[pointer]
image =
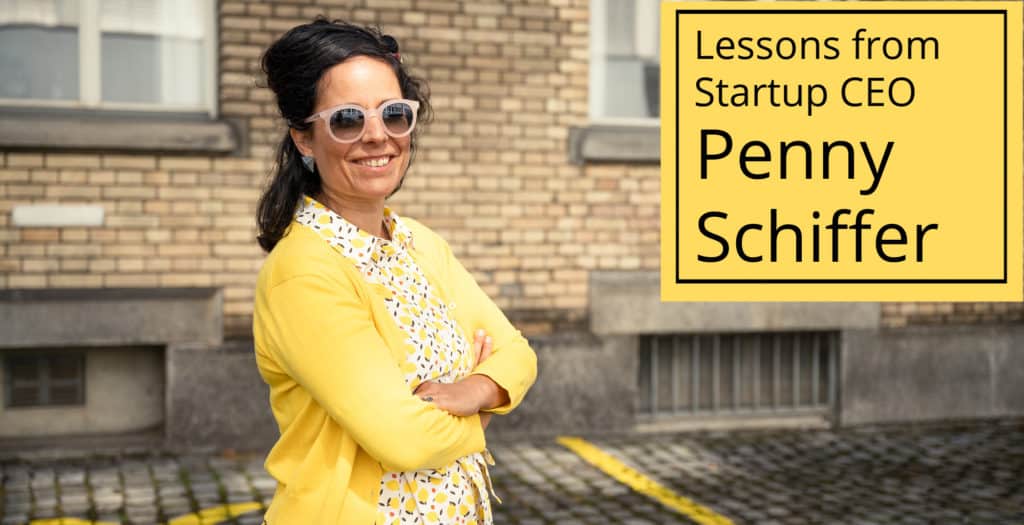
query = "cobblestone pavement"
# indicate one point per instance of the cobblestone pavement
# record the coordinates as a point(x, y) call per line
point(957, 473)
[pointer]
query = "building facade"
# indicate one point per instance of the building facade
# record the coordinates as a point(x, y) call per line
point(135, 139)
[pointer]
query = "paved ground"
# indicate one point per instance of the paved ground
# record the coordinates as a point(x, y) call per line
point(964, 473)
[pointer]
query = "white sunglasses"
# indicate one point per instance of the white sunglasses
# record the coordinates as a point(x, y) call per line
point(347, 123)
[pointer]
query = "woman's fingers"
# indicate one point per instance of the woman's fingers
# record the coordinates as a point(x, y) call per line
point(427, 388)
point(453, 404)
point(478, 345)
point(482, 346)
point(486, 350)
point(435, 393)
point(456, 398)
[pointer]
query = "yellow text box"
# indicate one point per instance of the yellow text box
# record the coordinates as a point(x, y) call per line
point(823, 151)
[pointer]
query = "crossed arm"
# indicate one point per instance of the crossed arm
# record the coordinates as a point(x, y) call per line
point(506, 366)
point(309, 315)
point(319, 332)
point(473, 394)
point(306, 318)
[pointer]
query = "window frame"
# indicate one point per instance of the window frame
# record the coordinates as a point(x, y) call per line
point(89, 77)
point(635, 140)
point(598, 65)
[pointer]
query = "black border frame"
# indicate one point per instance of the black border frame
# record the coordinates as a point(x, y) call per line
point(841, 11)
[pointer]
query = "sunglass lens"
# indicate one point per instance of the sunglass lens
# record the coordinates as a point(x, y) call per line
point(398, 118)
point(347, 123)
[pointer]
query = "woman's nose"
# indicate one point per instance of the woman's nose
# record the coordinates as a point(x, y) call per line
point(374, 130)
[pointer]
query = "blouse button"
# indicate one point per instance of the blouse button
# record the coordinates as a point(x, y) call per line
point(451, 306)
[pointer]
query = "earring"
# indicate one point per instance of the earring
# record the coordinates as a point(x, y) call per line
point(309, 162)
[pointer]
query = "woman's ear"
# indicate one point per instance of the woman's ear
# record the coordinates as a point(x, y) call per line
point(302, 140)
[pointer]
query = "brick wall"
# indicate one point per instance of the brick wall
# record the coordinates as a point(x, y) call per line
point(904, 314)
point(508, 80)
point(169, 221)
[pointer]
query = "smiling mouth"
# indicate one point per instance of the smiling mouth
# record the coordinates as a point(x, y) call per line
point(375, 162)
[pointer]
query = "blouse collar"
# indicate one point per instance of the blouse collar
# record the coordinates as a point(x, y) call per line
point(353, 242)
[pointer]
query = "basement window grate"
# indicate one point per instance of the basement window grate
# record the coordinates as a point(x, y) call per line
point(44, 380)
point(739, 373)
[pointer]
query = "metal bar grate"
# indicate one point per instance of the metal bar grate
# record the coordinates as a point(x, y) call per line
point(741, 373)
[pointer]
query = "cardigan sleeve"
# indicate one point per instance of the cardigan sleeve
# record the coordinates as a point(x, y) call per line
point(512, 364)
point(323, 337)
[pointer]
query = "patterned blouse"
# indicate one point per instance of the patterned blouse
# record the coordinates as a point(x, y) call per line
point(437, 351)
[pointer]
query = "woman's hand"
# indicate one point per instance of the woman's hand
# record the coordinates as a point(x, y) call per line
point(470, 395)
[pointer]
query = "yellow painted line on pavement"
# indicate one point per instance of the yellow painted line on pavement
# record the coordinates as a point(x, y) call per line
point(69, 521)
point(639, 482)
point(210, 516)
point(214, 515)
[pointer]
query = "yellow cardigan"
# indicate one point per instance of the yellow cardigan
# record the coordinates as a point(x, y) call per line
point(330, 352)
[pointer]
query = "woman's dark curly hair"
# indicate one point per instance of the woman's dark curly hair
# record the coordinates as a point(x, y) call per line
point(294, 65)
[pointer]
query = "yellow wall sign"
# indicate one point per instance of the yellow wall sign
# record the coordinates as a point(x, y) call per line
point(842, 151)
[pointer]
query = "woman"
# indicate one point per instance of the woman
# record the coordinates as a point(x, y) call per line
point(361, 316)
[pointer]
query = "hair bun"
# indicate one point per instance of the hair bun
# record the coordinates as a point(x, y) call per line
point(389, 43)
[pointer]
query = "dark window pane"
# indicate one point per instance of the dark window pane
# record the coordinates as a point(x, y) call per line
point(66, 367)
point(644, 376)
point(666, 358)
point(65, 395)
point(48, 379)
point(24, 396)
point(24, 370)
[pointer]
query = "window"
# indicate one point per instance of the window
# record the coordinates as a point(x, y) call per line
point(45, 380)
point(624, 85)
point(624, 65)
point(149, 55)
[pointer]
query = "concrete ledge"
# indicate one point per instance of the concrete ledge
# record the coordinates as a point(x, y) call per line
point(110, 316)
point(605, 143)
point(116, 132)
point(930, 373)
point(80, 447)
point(731, 422)
point(630, 303)
point(217, 399)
